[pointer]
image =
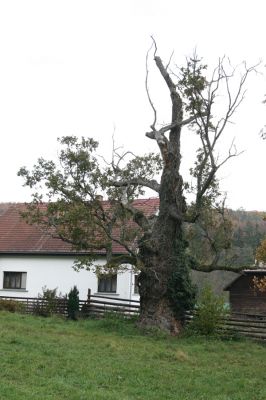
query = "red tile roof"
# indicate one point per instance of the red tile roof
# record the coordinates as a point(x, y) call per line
point(18, 237)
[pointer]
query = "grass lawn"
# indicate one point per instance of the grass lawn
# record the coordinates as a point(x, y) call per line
point(110, 360)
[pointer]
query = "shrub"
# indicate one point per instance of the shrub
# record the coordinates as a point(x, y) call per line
point(73, 303)
point(11, 306)
point(48, 302)
point(208, 314)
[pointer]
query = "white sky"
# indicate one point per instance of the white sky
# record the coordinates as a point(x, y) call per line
point(78, 67)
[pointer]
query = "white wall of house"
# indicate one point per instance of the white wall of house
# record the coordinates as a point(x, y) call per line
point(57, 272)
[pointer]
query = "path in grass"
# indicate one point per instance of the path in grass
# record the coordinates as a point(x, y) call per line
point(109, 360)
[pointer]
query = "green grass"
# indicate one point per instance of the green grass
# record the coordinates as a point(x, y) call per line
point(110, 360)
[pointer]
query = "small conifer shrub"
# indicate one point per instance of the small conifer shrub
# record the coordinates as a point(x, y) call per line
point(73, 303)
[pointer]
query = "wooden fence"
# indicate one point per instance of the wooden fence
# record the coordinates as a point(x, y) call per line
point(37, 305)
point(97, 305)
point(247, 325)
point(94, 306)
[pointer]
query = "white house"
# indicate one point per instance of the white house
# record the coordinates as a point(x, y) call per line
point(31, 259)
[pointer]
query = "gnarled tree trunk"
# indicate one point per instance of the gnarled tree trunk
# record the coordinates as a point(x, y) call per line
point(165, 287)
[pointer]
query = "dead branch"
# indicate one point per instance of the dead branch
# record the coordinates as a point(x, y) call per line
point(147, 88)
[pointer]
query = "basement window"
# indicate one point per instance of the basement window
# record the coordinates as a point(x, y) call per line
point(107, 283)
point(14, 280)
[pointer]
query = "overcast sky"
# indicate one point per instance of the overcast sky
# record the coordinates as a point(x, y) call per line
point(78, 68)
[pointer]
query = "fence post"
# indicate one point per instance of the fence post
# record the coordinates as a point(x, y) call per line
point(88, 301)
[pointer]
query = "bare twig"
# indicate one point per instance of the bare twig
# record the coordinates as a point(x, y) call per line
point(147, 89)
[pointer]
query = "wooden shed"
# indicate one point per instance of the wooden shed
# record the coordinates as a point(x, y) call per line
point(244, 297)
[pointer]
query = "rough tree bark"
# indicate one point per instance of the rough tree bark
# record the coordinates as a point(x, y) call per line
point(161, 253)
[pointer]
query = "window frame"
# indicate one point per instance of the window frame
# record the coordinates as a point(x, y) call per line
point(136, 284)
point(107, 283)
point(19, 278)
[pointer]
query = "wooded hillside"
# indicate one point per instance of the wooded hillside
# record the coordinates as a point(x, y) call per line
point(228, 239)
point(249, 229)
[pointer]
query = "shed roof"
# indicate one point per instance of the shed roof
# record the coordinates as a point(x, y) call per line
point(18, 237)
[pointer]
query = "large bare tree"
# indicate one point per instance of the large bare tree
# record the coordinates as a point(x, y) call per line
point(154, 243)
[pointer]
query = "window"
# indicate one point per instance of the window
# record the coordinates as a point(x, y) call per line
point(136, 284)
point(107, 283)
point(14, 280)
